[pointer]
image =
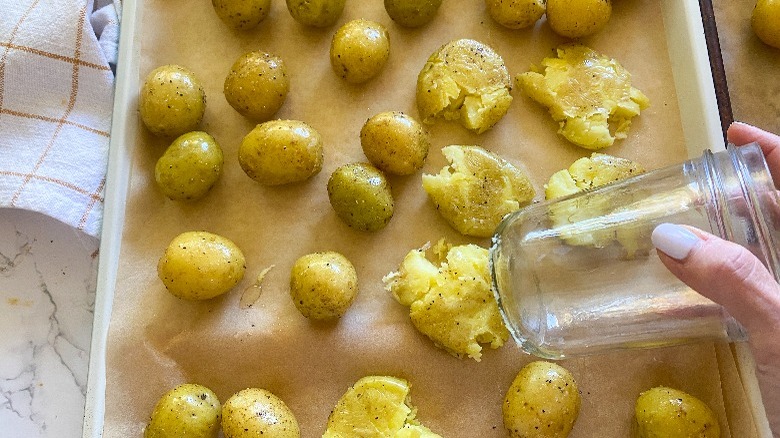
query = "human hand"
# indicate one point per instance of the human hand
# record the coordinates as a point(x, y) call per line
point(730, 275)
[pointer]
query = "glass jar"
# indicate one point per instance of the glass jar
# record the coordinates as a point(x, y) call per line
point(579, 275)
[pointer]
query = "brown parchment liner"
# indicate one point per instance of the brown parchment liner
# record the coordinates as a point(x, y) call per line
point(157, 341)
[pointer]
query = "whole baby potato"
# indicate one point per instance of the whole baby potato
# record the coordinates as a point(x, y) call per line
point(766, 22)
point(323, 285)
point(190, 166)
point(281, 152)
point(412, 13)
point(543, 401)
point(361, 197)
point(664, 412)
point(198, 265)
point(515, 14)
point(359, 50)
point(317, 13)
point(242, 14)
point(394, 142)
point(254, 412)
point(172, 101)
point(257, 85)
point(578, 18)
point(189, 410)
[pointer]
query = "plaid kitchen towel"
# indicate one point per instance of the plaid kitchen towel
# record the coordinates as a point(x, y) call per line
point(56, 93)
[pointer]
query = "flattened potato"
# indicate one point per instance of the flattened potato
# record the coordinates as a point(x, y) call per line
point(198, 265)
point(766, 22)
point(395, 143)
point(412, 13)
point(242, 14)
point(467, 81)
point(359, 50)
point(257, 85)
point(172, 101)
point(670, 413)
point(323, 285)
point(543, 401)
point(361, 196)
point(281, 152)
point(515, 14)
point(317, 13)
point(255, 412)
point(190, 166)
point(189, 410)
point(578, 18)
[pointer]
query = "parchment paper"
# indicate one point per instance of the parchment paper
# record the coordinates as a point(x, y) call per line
point(157, 341)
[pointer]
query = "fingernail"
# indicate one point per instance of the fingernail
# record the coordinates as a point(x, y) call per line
point(674, 240)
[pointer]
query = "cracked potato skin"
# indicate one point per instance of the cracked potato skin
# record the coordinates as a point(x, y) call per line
point(323, 285)
point(257, 85)
point(242, 14)
point(172, 101)
point(516, 14)
point(359, 50)
point(190, 166)
point(255, 412)
point(281, 152)
point(578, 18)
point(395, 143)
point(189, 410)
point(543, 401)
point(361, 197)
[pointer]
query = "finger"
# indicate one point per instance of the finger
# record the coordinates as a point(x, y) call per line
point(741, 133)
point(724, 272)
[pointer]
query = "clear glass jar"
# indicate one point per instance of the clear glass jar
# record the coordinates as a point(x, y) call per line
point(579, 275)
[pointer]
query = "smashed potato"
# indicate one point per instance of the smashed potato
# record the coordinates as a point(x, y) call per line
point(515, 14)
point(578, 18)
point(588, 94)
point(323, 285)
point(587, 173)
point(543, 401)
point(450, 303)
point(477, 189)
point(254, 412)
point(376, 407)
point(467, 81)
point(189, 410)
point(670, 413)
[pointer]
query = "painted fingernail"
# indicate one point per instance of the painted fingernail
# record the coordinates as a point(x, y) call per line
point(674, 240)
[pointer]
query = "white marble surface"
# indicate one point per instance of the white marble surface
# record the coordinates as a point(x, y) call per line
point(47, 295)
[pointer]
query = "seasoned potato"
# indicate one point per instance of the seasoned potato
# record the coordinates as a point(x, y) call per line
point(172, 101)
point(578, 18)
point(361, 197)
point(670, 413)
point(359, 50)
point(188, 410)
point(281, 152)
point(257, 85)
point(254, 412)
point(450, 303)
point(588, 94)
point(395, 143)
point(477, 189)
point(323, 285)
point(515, 14)
point(467, 81)
point(198, 265)
point(587, 173)
point(412, 13)
point(242, 14)
point(376, 407)
point(766, 22)
point(543, 401)
point(317, 13)
point(190, 166)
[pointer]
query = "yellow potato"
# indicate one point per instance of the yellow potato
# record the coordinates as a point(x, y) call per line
point(172, 101)
point(257, 85)
point(587, 173)
point(198, 265)
point(359, 50)
point(515, 14)
point(543, 401)
point(242, 14)
point(190, 166)
point(281, 152)
point(323, 285)
point(578, 18)
point(376, 407)
point(477, 189)
point(670, 413)
point(361, 196)
point(189, 410)
point(317, 13)
point(412, 13)
point(395, 143)
point(766, 22)
point(467, 81)
point(255, 412)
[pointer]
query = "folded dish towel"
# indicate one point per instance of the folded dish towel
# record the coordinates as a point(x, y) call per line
point(56, 93)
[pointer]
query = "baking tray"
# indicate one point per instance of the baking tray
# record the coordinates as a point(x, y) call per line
point(701, 128)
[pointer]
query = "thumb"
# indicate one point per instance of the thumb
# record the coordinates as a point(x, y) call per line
point(726, 273)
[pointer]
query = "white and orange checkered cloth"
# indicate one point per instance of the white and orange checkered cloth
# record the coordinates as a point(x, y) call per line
point(56, 93)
